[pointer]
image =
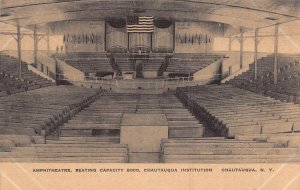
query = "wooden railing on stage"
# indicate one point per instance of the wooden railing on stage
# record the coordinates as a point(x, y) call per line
point(147, 84)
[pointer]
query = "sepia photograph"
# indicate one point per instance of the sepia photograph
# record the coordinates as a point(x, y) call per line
point(172, 94)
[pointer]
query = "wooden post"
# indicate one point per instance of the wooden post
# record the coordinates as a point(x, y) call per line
point(229, 44)
point(35, 45)
point(48, 42)
point(19, 50)
point(241, 49)
point(174, 37)
point(276, 53)
point(151, 37)
point(255, 53)
point(128, 42)
point(105, 42)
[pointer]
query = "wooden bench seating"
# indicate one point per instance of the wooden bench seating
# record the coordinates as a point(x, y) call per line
point(79, 151)
point(189, 66)
point(40, 112)
point(98, 117)
point(232, 111)
point(94, 64)
point(18, 130)
point(6, 145)
point(202, 150)
point(229, 159)
point(198, 150)
point(106, 148)
point(97, 120)
point(288, 139)
point(88, 126)
point(81, 157)
point(287, 88)
point(153, 64)
point(85, 139)
point(9, 76)
point(69, 149)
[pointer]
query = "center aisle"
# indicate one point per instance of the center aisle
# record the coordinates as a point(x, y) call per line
point(101, 121)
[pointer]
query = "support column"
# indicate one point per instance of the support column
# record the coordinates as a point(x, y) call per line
point(19, 50)
point(48, 42)
point(276, 54)
point(174, 37)
point(255, 53)
point(151, 37)
point(241, 49)
point(229, 44)
point(35, 45)
point(105, 40)
point(128, 41)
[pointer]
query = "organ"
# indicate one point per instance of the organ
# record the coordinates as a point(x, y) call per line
point(111, 35)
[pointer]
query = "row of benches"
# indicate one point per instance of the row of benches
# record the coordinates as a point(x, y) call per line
point(125, 63)
point(255, 129)
point(49, 108)
point(243, 149)
point(180, 63)
point(91, 65)
point(9, 65)
point(103, 117)
point(11, 85)
point(287, 88)
point(68, 149)
point(232, 111)
point(41, 111)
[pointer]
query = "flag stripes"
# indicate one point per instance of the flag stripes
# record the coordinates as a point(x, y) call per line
point(140, 24)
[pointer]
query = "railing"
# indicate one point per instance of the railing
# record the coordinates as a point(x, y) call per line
point(141, 84)
point(198, 78)
point(40, 73)
point(137, 84)
point(75, 78)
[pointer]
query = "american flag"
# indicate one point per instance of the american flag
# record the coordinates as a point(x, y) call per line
point(140, 24)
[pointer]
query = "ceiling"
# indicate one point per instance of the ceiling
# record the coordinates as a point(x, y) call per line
point(246, 14)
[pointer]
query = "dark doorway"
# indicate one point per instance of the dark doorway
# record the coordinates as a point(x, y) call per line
point(139, 67)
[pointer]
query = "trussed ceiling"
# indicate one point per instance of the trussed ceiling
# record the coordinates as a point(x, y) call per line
point(237, 13)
